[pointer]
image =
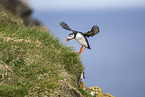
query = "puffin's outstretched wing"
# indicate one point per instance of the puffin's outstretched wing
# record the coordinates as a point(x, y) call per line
point(65, 26)
point(95, 30)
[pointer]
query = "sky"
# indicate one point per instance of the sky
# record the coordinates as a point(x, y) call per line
point(86, 4)
point(115, 62)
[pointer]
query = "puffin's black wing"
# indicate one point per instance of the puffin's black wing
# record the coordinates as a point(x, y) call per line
point(65, 26)
point(95, 30)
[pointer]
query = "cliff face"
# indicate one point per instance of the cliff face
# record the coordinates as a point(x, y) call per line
point(20, 8)
point(34, 63)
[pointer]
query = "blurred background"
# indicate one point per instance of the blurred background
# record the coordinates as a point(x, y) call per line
point(116, 61)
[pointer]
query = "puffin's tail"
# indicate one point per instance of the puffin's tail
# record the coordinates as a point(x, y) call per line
point(65, 26)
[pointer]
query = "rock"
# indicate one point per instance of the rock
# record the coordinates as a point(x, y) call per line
point(22, 9)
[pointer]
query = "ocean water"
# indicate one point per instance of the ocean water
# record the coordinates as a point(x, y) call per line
point(116, 61)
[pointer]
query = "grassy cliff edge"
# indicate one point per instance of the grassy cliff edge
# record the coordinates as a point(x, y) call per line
point(34, 63)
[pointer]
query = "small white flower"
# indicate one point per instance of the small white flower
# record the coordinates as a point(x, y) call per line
point(92, 93)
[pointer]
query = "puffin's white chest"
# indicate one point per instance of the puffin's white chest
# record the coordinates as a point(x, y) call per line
point(81, 39)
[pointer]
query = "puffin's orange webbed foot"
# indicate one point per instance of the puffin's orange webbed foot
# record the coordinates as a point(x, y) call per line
point(81, 50)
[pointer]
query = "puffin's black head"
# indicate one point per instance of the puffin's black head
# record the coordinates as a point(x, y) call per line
point(70, 37)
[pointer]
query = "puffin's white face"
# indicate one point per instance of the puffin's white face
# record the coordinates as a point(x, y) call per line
point(70, 37)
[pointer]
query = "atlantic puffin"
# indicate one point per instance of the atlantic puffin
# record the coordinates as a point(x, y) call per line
point(79, 36)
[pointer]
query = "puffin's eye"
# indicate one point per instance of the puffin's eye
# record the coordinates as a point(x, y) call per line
point(71, 36)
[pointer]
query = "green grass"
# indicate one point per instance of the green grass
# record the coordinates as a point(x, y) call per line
point(34, 63)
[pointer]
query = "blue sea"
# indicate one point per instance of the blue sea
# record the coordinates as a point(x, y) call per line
point(116, 61)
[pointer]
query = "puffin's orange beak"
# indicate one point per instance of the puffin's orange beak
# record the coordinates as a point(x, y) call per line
point(67, 40)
